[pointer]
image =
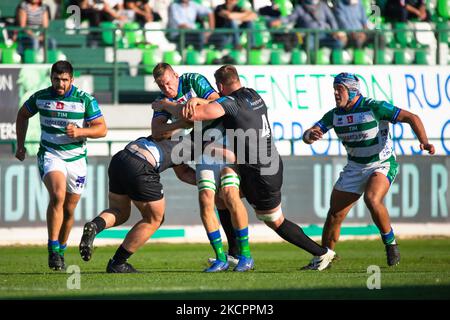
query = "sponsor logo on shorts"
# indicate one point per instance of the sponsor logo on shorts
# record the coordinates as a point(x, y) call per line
point(80, 181)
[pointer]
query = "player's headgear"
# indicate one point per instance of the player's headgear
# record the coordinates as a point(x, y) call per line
point(350, 81)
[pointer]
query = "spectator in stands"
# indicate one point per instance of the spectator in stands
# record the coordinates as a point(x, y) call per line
point(315, 14)
point(271, 13)
point(351, 15)
point(32, 13)
point(142, 11)
point(231, 16)
point(183, 14)
point(404, 10)
point(98, 11)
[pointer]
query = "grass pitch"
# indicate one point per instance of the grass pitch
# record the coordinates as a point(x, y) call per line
point(174, 272)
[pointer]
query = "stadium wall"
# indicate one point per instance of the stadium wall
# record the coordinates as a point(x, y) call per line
point(419, 200)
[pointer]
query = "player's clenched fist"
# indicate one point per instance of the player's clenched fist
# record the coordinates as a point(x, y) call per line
point(72, 130)
point(20, 153)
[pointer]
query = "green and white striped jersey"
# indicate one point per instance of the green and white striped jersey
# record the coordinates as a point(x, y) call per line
point(363, 130)
point(56, 113)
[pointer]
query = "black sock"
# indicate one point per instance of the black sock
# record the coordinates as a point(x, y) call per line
point(292, 233)
point(225, 220)
point(100, 223)
point(121, 255)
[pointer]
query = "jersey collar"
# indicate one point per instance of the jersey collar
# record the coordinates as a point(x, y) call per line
point(68, 93)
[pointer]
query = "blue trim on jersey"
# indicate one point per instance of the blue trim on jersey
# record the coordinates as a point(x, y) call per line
point(28, 108)
point(94, 117)
point(221, 99)
point(394, 118)
point(209, 93)
point(162, 113)
point(179, 86)
point(358, 102)
point(322, 127)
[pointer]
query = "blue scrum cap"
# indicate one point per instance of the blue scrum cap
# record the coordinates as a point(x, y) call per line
point(350, 81)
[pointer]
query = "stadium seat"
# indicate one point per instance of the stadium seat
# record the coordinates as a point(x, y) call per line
point(255, 57)
point(361, 57)
point(285, 7)
point(403, 56)
point(150, 58)
point(262, 36)
point(443, 35)
point(340, 56)
point(211, 55)
point(194, 57)
point(421, 56)
point(278, 56)
point(322, 56)
point(108, 33)
point(30, 56)
point(403, 35)
point(133, 34)
point(239, 56)
point(54, 55)
point(443, 8)
point(172, 57)
point(10, 55)
point(298, 56)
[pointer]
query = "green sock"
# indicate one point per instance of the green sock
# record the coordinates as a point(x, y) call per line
point(242, 238)
point(62, 249)
point(216, 242)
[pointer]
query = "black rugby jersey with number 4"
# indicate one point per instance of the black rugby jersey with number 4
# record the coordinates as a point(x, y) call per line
point(246, 116)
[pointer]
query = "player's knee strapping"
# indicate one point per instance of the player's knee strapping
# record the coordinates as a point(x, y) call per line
point(230, 180)
point(274, 216)
point(206, 181)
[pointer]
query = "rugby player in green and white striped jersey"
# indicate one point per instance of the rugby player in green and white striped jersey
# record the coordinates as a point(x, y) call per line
point(362, 124)
point(176, 91)
point(68, 116)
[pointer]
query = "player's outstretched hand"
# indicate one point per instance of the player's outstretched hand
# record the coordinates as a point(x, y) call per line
point(427, 146)
point(315, 134)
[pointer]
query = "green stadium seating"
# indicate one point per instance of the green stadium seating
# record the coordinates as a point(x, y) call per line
point(150, 58)
point(172, 57)
point(133, 34)
point(322, 56)
point(194, 57)
point(285, 7)
point(10, 55)
point(421, 56)
point(298, 56)
point(108, 34)
point(239, 56)
point(255, 57)
point(403, 35)
point(361, 57)
point(30, 56)
point(443, 8)
point(261, 35)
point(443, 35)
point(340, 56)
point(211, 55)
point(278, 57)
